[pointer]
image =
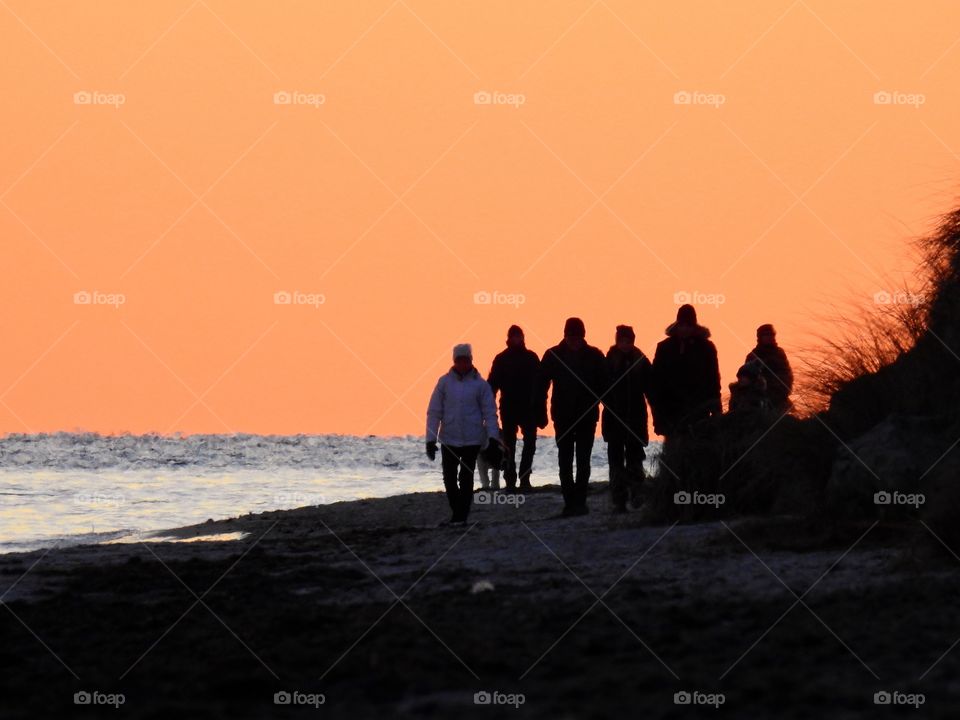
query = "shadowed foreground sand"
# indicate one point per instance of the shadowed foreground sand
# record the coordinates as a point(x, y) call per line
point(385, 614)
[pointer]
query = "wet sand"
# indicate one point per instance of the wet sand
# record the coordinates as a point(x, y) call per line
point(378, 611)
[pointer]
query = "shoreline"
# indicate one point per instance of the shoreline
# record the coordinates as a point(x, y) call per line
point(375, 607)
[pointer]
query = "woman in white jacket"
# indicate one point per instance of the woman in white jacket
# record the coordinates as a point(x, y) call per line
point(462, 418)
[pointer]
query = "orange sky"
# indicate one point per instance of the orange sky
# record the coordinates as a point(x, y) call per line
point(185, 190)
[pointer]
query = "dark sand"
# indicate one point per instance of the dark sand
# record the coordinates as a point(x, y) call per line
point(305, 603)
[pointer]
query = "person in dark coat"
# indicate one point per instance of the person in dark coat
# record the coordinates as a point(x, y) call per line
point(514, 374)
point(624, 420)
point(577, 372)
point(686, 376)
point(776, 368)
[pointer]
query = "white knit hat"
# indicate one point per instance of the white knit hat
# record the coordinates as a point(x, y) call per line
point(462, 350)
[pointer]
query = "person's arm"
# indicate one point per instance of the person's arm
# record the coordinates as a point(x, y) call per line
point(435, 411)
point(488, 410)
point(716, 406)
point(787, 374)
point(545, 376)
point(495, 377)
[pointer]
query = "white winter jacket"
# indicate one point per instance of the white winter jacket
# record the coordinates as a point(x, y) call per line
point(462, 410)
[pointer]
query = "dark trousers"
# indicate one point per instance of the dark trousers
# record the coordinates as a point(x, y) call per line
point(576, 440)
point(625, 456)
point(458, 466)
point(526, 456)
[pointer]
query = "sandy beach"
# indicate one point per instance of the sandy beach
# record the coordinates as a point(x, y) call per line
point(370, 609)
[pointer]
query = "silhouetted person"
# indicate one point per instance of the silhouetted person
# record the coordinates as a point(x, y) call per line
point(775, 367)
point(624, 420)
point(577, 372)
point(514, 375)
point(749, 392)
point(462, 417)
point(686, 376)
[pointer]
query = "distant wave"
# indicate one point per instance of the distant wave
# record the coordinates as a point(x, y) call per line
point(92, 451)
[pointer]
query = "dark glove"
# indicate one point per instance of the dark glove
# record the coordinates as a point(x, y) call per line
point(542, 419)
point(432, 450)
point(493, 452)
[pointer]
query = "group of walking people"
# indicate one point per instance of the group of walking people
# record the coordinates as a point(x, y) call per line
point(681, 386)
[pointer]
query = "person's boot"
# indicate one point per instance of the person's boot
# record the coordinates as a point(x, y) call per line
point(525, 483)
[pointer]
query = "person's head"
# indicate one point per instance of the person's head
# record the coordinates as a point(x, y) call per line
point(625, 338)
point(686, 324)
point(574, 333)
point(766, 335)
point(462, 358)
point(515, 337)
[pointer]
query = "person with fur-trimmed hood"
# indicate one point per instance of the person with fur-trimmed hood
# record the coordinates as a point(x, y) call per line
point(775, 368)
point(624, 420)
point(462, 418)
point(686, 376)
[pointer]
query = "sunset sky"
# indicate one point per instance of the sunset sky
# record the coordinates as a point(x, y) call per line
point(170, 170)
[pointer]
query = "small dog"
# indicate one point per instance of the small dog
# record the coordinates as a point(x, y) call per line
point(490, 464)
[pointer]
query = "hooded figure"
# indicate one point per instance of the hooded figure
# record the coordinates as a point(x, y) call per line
point(578, 374)
point(514, 374)
point(686, 375)
point(775, 368)
point(624, 419)
point(749, 392)
point(462, 418)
